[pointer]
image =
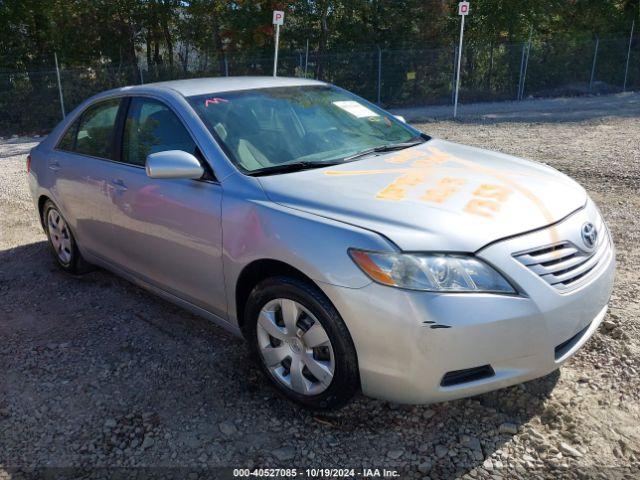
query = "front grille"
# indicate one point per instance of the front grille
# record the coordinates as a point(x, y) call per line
point(565, 266)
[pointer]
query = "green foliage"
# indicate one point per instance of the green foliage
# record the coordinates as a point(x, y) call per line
point(116, 31)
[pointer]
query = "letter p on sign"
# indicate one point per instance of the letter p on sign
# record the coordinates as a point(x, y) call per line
point(278, 17)
point(463, 9)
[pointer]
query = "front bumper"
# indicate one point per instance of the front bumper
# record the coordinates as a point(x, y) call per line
point(408, 341)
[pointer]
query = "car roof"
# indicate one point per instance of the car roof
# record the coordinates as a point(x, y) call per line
point(202, 86)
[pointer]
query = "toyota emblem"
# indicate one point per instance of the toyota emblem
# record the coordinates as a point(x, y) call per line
point(589, 235)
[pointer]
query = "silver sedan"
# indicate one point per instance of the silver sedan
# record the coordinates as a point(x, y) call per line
point(352, 251)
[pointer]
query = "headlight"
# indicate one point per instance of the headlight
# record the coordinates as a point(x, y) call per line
point(431, 272)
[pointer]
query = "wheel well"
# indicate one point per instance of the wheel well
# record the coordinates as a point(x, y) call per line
point(258, 271)
point(41, 202)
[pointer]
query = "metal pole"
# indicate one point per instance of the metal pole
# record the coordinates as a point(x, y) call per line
point(226, 66)
point(275, 56)
point(593, 66)
point(453, 74)
point(306, 59)
point(526, 65)
point(55, 57)
point(455, 103)
point(626, 70)
point(524, 47)
point(299, 63)
point(379, 73)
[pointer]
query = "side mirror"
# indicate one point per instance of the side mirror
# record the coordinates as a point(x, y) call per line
point(401, 118)
point(173, 164)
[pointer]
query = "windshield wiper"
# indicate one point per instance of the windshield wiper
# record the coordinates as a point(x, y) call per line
point(291, 167)
point(385, 148)
point(307, 165)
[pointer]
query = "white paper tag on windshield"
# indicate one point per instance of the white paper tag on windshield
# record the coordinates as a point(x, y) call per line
point(356, 109)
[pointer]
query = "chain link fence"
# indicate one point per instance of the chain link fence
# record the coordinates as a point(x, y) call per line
point(34, 101)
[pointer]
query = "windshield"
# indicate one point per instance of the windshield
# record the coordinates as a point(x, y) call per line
point(272, 128)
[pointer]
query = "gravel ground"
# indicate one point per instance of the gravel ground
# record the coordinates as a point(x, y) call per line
point(97, 372)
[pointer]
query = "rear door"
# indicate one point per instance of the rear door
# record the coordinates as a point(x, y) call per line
point(81, 170)
point(168, 231)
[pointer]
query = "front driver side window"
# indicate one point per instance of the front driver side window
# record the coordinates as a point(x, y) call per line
point(152, 127)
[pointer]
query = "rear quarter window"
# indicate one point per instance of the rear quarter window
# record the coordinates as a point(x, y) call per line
point(68, 140)
point(93, 132)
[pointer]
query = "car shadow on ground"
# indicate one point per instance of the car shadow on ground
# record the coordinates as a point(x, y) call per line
point(100, 372)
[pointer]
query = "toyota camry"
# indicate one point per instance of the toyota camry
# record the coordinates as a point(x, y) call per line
point(352, 251)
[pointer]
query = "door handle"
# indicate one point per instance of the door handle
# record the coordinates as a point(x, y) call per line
point(54, 165)
point(119, 185)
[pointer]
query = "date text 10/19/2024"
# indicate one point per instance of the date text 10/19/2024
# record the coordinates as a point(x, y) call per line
point(316, 472)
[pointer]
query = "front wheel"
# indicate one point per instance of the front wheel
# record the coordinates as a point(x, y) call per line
point(301, 343)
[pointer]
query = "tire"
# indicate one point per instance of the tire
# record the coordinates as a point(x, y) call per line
point(270, 300)
point(61, 241)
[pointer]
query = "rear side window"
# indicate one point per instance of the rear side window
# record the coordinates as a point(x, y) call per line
point(94, 133)
point(152, 127)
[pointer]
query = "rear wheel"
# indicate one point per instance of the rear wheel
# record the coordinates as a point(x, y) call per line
point(301, 343)
point(61, 240)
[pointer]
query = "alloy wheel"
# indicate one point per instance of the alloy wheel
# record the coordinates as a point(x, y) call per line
point(295, 347)
point(59, 236)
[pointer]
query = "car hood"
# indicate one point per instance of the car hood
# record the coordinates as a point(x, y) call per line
point(436, 196)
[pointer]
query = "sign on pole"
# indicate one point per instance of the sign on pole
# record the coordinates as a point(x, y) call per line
point(463, 11)
point(278, 19)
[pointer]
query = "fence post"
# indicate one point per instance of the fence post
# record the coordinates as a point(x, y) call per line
point(55, 57)
point(524, 47)
point(593, 66)
point(140, 72)
point(379, 73)
point(626, 70)
point(526, 66)
point(306, 59)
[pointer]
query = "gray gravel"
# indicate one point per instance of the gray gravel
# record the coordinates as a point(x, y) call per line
point(96, 372)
